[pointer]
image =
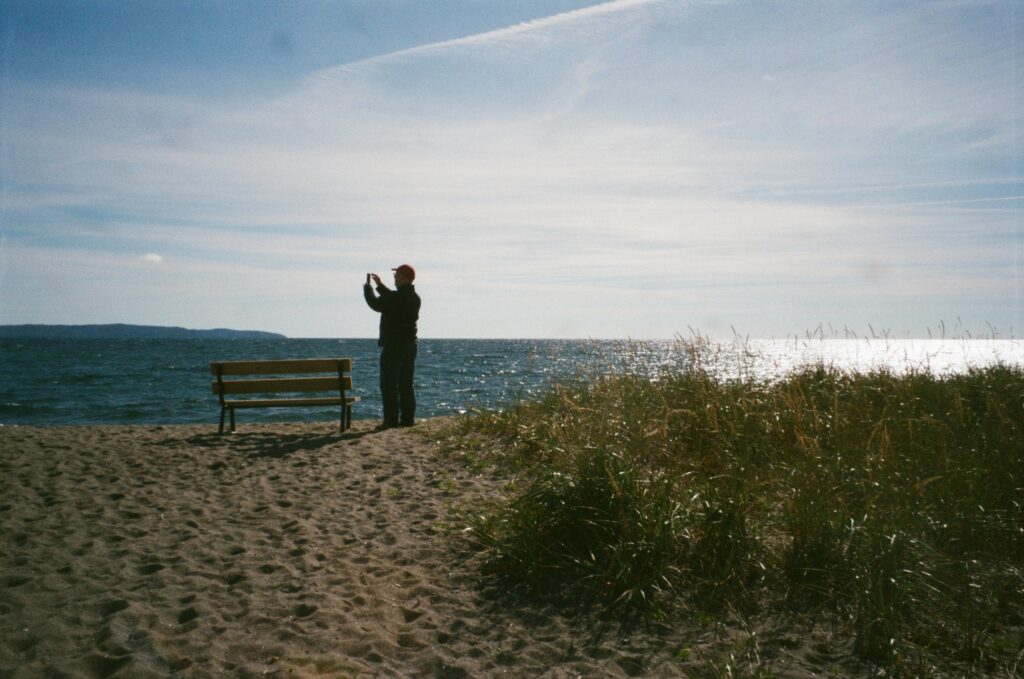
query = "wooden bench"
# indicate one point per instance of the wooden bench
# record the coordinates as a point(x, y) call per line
point(332, 377)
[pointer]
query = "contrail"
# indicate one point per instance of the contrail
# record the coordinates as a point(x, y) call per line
point(525, 29)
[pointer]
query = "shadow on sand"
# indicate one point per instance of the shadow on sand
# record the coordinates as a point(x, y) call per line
point(273, 444)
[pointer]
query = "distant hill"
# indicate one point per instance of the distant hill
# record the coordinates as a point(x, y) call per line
point(123, 331)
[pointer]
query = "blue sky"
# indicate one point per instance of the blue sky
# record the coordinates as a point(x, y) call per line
point(632, 168)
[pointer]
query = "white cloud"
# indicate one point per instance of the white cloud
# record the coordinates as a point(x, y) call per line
point(152, 258)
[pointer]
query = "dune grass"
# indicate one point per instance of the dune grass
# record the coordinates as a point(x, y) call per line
point(893, 502)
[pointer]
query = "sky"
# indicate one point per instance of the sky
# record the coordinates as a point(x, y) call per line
point(552, 168)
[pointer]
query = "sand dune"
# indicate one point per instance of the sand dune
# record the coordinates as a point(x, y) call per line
point(281, 550)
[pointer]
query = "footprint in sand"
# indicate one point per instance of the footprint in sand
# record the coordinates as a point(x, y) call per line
point(187, 615)
point(179, 664)
point(150, 568)
point(12, 581)
point(633, 666)
point(23, 643)
point(108, 608)
point(407, 640)
point(411, 616)
point(304, 610)
point(232, 579)
point(100, 665)
point(440, 668)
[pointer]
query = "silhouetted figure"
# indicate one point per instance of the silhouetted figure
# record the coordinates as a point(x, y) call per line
point(399, 311)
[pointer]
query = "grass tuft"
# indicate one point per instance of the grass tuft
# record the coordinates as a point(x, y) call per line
point(894, 502)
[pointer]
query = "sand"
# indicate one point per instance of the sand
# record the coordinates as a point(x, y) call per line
point(291, 550)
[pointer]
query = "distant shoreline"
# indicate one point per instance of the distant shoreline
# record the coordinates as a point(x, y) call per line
point(126, 331)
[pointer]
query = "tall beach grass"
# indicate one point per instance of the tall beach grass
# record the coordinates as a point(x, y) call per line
point(891, 502)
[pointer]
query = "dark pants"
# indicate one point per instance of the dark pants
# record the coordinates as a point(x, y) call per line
point(397, 367)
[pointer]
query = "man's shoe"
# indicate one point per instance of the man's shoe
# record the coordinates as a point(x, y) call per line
point(384, 426)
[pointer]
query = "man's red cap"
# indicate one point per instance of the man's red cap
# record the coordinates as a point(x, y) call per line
point(407, 270)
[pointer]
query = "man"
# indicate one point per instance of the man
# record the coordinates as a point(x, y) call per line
point(399, 310)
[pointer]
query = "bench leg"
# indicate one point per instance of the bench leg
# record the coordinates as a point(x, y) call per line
point(220, 430)
point(232, 420)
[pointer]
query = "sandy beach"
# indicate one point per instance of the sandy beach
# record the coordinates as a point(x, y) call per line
point(291, 550)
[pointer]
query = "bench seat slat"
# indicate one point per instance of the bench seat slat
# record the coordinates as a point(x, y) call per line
point(288, 402)
point(282, 384)
point(281, 367)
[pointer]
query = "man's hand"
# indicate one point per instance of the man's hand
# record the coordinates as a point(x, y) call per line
point(376, 278)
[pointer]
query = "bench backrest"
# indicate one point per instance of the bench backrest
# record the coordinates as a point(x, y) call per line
point(337, 381)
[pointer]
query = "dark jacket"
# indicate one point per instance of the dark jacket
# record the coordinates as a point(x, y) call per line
point(399, 310)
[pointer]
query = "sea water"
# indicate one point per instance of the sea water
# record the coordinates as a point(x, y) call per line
point(97, 381)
